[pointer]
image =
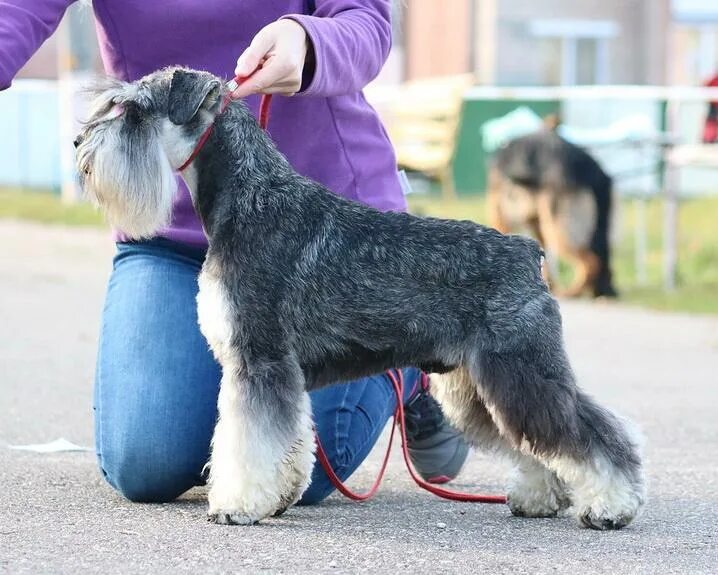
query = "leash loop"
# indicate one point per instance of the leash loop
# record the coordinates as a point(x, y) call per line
point(397, 381)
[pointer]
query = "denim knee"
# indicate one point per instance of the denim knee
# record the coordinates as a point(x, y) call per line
point(145, 475)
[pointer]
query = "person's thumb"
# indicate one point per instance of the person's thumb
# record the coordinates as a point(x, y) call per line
point(250, 59)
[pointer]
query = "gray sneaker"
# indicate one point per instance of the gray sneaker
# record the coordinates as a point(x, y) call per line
point(437, 450)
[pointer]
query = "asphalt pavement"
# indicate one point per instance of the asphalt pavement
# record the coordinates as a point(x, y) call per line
point(58, 516)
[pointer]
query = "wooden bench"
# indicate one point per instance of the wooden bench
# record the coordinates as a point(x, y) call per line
point(422, 120)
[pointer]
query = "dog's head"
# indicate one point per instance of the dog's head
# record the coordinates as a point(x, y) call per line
point(137, 136)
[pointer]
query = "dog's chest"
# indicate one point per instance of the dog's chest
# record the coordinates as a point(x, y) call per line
point(214, 316)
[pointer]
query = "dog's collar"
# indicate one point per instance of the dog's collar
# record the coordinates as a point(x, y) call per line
point(227, 99)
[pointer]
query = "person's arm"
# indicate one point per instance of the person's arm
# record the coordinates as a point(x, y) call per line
point(24, 26)
point(346, 43)
point(351, 41)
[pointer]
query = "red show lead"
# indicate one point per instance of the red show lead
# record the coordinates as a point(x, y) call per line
point(230, 87)
point(397, 380)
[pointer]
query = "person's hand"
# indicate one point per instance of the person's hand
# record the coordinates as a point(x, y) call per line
point(278, 50)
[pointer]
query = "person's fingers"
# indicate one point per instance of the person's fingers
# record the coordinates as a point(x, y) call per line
point(275, 77)
point(273, 62)
point(255, 83)
point(250, 59)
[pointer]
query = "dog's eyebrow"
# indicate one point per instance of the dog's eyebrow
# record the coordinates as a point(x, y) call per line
point(107, 95)
point(97, 111)
point(99, 108)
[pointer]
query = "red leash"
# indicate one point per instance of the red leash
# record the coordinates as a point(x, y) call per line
point(397, 381)
point(227, 98)
point(337, 483)
point(396, 377)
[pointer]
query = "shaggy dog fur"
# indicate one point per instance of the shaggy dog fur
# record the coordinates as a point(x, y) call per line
point(301, 289)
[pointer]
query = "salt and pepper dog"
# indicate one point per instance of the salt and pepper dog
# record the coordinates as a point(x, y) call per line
point(301, 289)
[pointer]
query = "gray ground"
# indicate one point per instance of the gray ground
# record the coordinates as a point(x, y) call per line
point(57, 516)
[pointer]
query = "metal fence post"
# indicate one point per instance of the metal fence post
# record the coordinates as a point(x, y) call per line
point(69, 189)
point(670, 206)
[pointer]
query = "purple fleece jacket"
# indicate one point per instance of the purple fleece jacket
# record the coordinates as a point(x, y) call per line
point(328, 132)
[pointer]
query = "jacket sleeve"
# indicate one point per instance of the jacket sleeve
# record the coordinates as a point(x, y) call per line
point(351, 41)
point(24, 26)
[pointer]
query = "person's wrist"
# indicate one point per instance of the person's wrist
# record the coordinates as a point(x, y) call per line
point(310, 65)
point(309, 57)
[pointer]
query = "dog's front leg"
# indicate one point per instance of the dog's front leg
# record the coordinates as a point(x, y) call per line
point(262, 450)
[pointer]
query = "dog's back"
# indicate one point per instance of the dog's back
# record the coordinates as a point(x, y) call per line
point(544, 160)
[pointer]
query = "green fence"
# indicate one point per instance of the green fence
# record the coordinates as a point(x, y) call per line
point(470, 161)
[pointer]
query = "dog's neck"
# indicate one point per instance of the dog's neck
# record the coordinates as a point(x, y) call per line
point(239, 163)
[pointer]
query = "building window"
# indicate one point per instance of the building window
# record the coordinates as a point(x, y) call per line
point(695, 41)
point(697, 53)
point(573, 51)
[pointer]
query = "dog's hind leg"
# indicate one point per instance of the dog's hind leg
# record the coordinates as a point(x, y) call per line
point(534, 490)
point(564, 221)
point(494, 212)
point(585, 266)
point(525, 380)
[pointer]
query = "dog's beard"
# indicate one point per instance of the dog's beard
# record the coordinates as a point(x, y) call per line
point(130, 179)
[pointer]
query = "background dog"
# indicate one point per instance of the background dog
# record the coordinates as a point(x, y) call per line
point(559, 193)
point(301, 289)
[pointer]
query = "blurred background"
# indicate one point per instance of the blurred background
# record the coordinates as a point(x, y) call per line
point(627, 80)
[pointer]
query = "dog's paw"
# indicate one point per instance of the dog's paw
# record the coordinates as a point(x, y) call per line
point(536, 492)
point(536, 505)
point(231, 518)
point(533, 509)
point(602, 521)
point(240, 508)
point(286, 502)
point(612, 500)
point(610, 511)
point(282, 510)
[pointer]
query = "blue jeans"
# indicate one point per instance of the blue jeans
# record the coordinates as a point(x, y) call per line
point(157, 382)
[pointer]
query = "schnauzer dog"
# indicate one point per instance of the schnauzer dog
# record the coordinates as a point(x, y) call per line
point(301, 289)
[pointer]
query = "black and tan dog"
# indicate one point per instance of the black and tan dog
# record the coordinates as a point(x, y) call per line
point(558, 192)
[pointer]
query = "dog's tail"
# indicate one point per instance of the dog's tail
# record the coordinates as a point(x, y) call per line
point(600, 241)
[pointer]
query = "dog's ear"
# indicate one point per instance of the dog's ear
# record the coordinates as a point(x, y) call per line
point(190, 92)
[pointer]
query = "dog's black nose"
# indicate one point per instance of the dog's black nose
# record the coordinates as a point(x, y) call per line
point(77, 141)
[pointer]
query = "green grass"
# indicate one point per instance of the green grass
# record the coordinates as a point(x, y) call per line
point(41, 206)
point(697, 289)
